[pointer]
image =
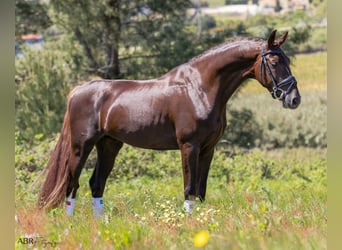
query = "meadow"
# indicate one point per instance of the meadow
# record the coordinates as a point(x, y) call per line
point(270, 193)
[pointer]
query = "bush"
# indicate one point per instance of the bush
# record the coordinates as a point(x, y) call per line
point(242, 129)
point(30, 160)
point(208, 22)
point(43, 81)
point(260, 121)
point(248, 169)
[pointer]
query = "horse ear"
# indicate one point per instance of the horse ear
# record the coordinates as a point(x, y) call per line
point(282, 39)
point(271, 38)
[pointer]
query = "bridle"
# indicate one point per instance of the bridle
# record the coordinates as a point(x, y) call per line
point(290, 81)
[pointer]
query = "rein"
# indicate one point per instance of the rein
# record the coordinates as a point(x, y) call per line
point(277, 92)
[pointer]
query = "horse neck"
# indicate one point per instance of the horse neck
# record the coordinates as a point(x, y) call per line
point(224, 69)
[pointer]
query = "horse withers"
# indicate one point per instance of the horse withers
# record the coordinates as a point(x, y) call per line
point(184, 109)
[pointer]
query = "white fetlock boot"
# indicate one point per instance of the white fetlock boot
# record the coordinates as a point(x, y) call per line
point(98, 206)
point(189, 205)
point(69, 206)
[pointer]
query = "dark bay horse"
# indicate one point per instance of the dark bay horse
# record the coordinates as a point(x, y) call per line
point(184, 109)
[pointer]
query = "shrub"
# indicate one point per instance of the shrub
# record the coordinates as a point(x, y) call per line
point(242, 129)
point(259, 121)
point(208, 22)
point(43, 81)
point(248, 169)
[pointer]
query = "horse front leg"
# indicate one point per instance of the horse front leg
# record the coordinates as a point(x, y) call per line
point(190, 153)
point(205, 159)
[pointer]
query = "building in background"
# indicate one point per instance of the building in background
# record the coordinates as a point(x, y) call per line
point(285, 5)
point(32, 41)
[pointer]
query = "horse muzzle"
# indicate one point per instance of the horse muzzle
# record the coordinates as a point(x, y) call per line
point(287, 91)
point(292, 99)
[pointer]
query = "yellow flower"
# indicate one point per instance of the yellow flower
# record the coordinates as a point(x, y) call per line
point(263, 209)
point(201, 238)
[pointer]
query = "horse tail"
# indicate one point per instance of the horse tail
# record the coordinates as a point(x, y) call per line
point(54, 189)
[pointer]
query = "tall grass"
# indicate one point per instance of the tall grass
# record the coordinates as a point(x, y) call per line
point(254, 201)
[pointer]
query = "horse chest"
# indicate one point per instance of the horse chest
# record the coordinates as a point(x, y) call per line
point(212, 130)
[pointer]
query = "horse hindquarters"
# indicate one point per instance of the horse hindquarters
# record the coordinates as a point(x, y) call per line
point(78, 136)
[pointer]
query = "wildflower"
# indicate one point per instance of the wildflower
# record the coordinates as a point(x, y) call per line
point(262, 226)
point(201, 238)
point(263, 209)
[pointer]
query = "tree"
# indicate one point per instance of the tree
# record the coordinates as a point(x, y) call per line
point(114, 32)
point(43, 80)
point(30, 17)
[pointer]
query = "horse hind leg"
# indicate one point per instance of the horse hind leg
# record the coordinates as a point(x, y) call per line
point(107, 150)
point(84, 133)
point(78, 157)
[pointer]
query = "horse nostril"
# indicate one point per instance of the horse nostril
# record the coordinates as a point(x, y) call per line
point(295, 101)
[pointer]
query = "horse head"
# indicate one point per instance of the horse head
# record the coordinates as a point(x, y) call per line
point(272, 70)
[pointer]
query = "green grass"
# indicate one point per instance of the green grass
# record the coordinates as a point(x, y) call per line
point(268, 200)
